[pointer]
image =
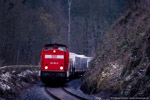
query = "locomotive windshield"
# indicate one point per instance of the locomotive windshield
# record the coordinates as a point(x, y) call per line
point(61, 48)
point(49, 48)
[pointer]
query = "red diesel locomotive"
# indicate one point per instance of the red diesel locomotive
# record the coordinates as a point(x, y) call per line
point(58, 63)
point(54, 62)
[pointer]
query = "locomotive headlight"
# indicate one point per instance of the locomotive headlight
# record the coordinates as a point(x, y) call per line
point(46, 67)
point(61, 68)
point(54, 51)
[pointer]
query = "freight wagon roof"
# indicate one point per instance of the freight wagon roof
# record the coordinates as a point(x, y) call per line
point(73, 55)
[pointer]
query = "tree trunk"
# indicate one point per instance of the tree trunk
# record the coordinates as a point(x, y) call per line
point(69, 21)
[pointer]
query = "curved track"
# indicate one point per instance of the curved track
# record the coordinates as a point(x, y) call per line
point(52, 95)
point(62, 94)
point(79, 97)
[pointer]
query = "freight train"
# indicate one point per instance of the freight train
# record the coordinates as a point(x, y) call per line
point(58, 63)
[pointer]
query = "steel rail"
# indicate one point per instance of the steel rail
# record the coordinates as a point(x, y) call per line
point(53, 96)
point(72, 94)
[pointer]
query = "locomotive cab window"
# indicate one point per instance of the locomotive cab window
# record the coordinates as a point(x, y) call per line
point(48, 48)
point(62, 49)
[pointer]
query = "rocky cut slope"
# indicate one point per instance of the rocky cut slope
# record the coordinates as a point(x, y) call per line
point(122, 65)
point(15, 79)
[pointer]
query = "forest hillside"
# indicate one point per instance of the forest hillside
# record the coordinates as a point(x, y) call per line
point(122, 64)
point(27, 25)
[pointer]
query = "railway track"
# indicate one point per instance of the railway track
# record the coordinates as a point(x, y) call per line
point(52, 95)
point(79, 97)
point(62, 94)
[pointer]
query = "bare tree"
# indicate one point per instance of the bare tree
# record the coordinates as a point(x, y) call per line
point(69, 21)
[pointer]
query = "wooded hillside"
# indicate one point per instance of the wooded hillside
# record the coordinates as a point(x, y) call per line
point(27, 25)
